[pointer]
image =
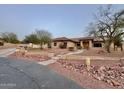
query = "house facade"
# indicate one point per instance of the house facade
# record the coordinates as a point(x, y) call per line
point(84, 42)
point(75, 43)
point(63, 42)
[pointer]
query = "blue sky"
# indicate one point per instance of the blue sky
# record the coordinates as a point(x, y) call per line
point(60, 20)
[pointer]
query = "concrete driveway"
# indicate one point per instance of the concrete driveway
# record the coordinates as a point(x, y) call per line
point(23, 74)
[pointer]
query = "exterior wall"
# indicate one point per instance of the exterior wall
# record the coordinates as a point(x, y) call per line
point(71, 44)
point(52, 44)
point(36, 45)
point(90, 44)
point(103, 45)
point(33, 45)
point(81, 43)
point(57, 44)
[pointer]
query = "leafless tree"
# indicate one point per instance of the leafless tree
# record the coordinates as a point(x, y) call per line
point(108, 24)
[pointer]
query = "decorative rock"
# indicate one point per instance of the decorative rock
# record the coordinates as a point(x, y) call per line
point(97, 77)
point(115, 83)
point(113, 75)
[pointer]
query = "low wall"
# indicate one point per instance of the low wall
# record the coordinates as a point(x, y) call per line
point(8, 45)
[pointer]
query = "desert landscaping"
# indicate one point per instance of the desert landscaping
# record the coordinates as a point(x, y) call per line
point(93, 60)
point(102, 74)
point(106, 70)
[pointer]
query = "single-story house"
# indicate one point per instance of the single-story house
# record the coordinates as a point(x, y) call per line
point(76, 43)
point(83, 42)
point(63, 42)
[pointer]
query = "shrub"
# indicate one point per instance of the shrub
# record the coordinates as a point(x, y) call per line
point(61, 46)
point(1, 43)
point(79, 47)
point(71, 48)
point(49, 45)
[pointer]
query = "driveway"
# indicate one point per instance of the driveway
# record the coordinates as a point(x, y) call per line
point(23, 74)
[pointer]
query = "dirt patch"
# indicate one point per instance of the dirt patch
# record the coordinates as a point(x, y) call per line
point(101, 52)
point(46, 51)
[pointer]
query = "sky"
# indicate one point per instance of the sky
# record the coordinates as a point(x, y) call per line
point(60, 20)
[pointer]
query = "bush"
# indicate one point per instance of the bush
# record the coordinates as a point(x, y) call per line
point(61, 46)
point(79, 47)
point(71, 48)
point(49, 46)
point(1, 43)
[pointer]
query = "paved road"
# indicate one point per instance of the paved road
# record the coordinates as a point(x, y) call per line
point(6, 52)
point(20, 74)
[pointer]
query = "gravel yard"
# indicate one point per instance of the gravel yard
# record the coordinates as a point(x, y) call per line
point(103, 74)
point(106, 70)
point(36, 57)
point(56, 51)
point(38, 54)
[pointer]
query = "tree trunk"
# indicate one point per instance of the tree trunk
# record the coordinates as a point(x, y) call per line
point(121, 47)
point(108, 46)
point(108, 49)
point(114, 47)
point(41, 45)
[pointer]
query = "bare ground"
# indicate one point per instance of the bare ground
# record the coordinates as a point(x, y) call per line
point(56, 51)
point(96, 52)
point(36, 57)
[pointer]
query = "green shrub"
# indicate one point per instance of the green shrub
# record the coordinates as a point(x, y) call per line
point(1, 43)
point(79, 47)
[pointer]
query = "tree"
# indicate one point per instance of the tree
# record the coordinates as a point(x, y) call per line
point(44, 37)
point(10, 37)
point(109, 24)
point(118, 42)
point(32, 38)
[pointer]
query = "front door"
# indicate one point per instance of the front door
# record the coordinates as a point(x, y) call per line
point(86, 44)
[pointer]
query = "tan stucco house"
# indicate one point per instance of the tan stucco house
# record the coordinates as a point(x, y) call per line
point(76, 43)
point(63, 41)
point(83, 42)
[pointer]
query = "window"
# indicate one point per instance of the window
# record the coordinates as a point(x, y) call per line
point(97, 45)
point(55, 44)
point(78, 44)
